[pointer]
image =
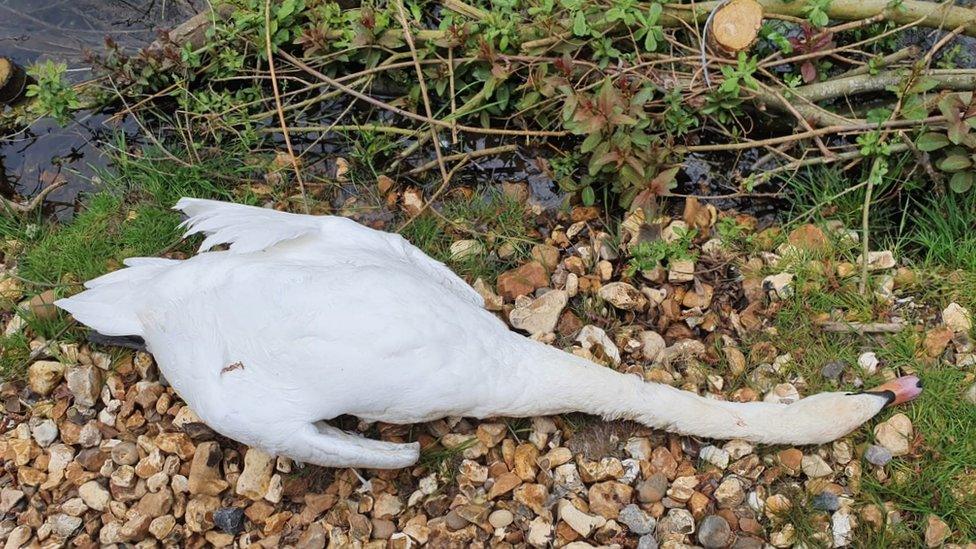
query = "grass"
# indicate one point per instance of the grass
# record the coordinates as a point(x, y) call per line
point(129, 216)
point(944, 231)
point(490, 218)
point(940, 477)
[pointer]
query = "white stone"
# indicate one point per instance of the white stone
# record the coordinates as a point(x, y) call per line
point(94, 495)
point(463, 249)
point(582, 523)
point(957, 318)
point(896, 434)
point(540, 315)
point(715, 455)
point(878, 261)
point(868, 363)
point(651, 344)
point(591, 336)
point(814, 466)
point(779, 286)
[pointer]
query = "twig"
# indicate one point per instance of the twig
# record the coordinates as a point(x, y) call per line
point(808, 134)
point(885, 61)
point(38, 199)
point(927, 60)
point(469, 155)
point(862, 286)
point(799, 117)
point(436, 194)
point(922, 158)
point(277, 98)
point(411, 115)
point(863, 327)
point(435, 139)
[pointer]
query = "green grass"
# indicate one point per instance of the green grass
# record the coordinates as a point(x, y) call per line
point(490, 218)
point(129, 216)
point(943, 231)
point(941, 479)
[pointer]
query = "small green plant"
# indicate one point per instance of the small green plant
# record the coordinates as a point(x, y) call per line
point(645, 256)
point(957, 145)
point(53, 94)
point(816, 12)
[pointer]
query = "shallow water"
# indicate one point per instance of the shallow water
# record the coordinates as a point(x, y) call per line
point(61, 30)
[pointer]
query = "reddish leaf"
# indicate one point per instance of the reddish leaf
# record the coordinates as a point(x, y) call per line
point(809, 71)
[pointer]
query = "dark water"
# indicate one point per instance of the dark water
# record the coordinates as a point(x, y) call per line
point(62, 30)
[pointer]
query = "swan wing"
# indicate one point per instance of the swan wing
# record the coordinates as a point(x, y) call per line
point(251, 229)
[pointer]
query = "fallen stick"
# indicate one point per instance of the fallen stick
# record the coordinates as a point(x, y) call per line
point(504, 149)
point(863, 327)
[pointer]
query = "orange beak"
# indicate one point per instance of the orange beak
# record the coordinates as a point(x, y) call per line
point(900, 390)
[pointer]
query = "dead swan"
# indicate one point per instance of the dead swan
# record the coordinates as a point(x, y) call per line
point(306, 318)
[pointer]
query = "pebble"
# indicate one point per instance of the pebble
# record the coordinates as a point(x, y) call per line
point(877, 455)
point(878, 261)
point(651, 344)
point(957, 318)
point(256, 476)
point(540, 315)
point(582, 523)
point(677, 521)
point(936, 531)
point(85, 383)
point(779, 286)
point(826, 501)
point(43, 430)
point(833, 369)
point(868, 363)
point(500, 518)
point(647, 542)
point(94, 495)
point(841, 528)
point(622, 296)
point(714, 455)
point(229, 519)
point(653, 489)
point(44, 375)
point(814, 466)
point(730, 493)
point(636, 520)
point(782, 393)
point(714, 532)
point(595, 340)
point(895, 434)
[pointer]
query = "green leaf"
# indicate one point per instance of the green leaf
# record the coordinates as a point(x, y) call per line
point(588, 196)
point(591, 142)
point(955, 163)
point(654, 13)
point(962, 181)
point(931, 141)
point(580, 26)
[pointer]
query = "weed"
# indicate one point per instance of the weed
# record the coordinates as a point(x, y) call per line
point(645, 256)
point(53, 94)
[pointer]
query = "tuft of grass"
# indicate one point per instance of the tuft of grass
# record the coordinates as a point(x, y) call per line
point(489, 217)
point(129, 216)
point(940, 478)
point(943, 232)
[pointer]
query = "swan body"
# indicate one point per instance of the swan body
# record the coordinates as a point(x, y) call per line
point(305, 318)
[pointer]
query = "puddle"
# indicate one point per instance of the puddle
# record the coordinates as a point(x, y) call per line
point(33, 31)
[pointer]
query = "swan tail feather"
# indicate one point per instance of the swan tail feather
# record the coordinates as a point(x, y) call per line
point(110, 303)
point(245, 228)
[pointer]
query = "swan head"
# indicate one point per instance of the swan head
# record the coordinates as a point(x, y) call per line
point(898, 391)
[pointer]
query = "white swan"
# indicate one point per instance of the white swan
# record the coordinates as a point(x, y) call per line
point(306, 318)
